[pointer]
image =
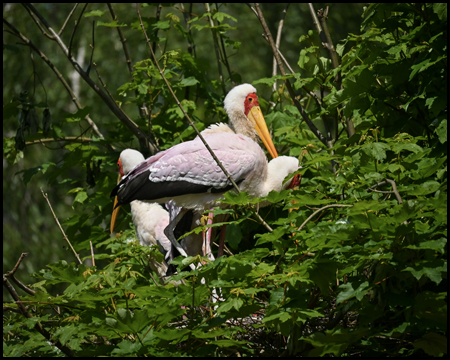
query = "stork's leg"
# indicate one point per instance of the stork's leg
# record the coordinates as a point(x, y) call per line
point(206, 248)
point(169, 233)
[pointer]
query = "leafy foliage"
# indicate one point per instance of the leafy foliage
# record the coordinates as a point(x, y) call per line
point(356, 262)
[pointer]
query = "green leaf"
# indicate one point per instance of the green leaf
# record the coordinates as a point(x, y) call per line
point(355, 289)
point(94, 13)
point(79, 115)
point(427, 187)
point(431, 269)
point(376, 150)
point(441, 10)
point(437, 245)
point(190, 81)
point(441, 131)
point(127, 347)
point(433, 344)
point(110, 24)
point(219, 16)
point(233, 236)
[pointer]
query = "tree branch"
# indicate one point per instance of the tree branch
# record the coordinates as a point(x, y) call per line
point(216, 47)
point(74, 30)
point(143, 110)
point(327, 43)
point(23, 310)
point(118, 112)
point(321, 209)
point(67, 19)
point(277, 44)
point(59, 225)
point(58, 75)
point(305, 116)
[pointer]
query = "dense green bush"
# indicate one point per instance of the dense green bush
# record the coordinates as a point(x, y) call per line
point(358, 267)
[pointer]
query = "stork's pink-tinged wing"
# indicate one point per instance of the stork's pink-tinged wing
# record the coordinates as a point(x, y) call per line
point(189, 168)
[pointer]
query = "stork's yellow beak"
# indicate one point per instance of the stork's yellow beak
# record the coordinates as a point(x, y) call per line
point(115, 210)
point(257, 118)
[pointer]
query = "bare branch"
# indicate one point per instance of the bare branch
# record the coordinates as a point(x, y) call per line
point(59, 225)
point(144, 112)
point(36, 20)
point(49, 140)
point(277, 44)
point(74, 31)
point(12, 272)
point(158, 14)
point(327, 43)
point(144, 141)
point(305, 116)
point(321, 209)
point(216, 47)
point(67, 19)
point(253, 9)
point(224, 55)
point(394, 189)
point(92, 253)
point(88, 70)
point(310, 93)
point(57, 73)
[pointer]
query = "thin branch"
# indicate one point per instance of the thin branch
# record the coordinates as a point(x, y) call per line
point(59, 225)
point(12, 272)
point(118, 112)
point(216, 47)
point(305, 116)
point(38, 327)
point(71, 138)
point(310, 93)
point(74, 30)
point(394, 189)
point(321, 209)
point(57, 73)
point(327, 43)
point(253, 9)
point(67, 19)
point(36, 20)
point(277, 44)
point(92, 253)
point(144, 112)
point(224, 55)
point(158, 14)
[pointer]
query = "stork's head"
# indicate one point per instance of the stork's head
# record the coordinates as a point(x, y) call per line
point(128, 159)
point(242, 107)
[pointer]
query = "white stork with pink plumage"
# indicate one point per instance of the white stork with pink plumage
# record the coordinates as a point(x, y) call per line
point(188, 174)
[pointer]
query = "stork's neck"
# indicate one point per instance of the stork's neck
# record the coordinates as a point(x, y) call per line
point(241, 125)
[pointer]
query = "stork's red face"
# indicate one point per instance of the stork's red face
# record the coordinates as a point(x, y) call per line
point(250, 101)
point(254, 114)
point(120, 168)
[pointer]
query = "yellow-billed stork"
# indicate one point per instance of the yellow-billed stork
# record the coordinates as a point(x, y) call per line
point(189, 175)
